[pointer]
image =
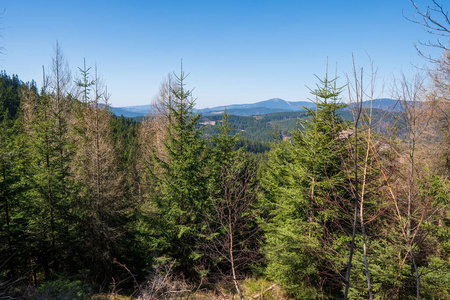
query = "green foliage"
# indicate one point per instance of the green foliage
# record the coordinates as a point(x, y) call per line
point(10, 89)
point(262, 287)
point(232, 233)
point(225, 143)
point(436, 279)
point(47, 155)
point(257, 129)
point(85, 83)
point(13, 206)
point(73, 197)
point(435, 266)
point(306, 195)
point(182, 177)
point(64, 290)
point(260, 128)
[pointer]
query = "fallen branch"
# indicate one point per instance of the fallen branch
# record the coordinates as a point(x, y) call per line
point(129, 272)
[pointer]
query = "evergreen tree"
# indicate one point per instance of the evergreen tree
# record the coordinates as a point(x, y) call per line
point(10, 90)
point(183, 181)
point(47, 153)
point(95, 168)
point(151, 135)
point(307, 195)
point(43, 174)
point(13, 207)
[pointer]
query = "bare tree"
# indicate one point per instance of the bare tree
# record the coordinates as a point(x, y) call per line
point(408, 208)
point(232, 227)
point(362, 138)
point(434, 19)
point(60, 83)
point(1, 37)
point(415, 124)
point(152, 133)
point(95, 168)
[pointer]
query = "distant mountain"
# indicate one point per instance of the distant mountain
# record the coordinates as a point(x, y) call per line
point(259, 108)
point(141, 109)
point(386, 104)
point(131, 111)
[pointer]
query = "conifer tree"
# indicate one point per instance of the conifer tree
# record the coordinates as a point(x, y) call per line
point(152, 132)
point(12, 241)
point(47, 153)
point(6, 187)
point(43, 175)
point(183, 176)
point(306, 193)
point(100, 201)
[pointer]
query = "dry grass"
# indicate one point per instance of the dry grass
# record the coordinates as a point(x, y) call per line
point(163, 284)
point(253, 289)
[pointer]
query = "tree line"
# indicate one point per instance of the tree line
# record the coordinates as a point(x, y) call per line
point(351, 208)
point(338, 210)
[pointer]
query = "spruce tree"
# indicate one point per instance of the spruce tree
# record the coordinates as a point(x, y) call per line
point(47, 154)
point(95, 168)
point(43, 177)
point(12, 204)
point(183, 180)
point(306, 195)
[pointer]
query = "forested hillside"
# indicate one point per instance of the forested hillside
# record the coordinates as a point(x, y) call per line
point(265, 128)
point(340, 201)
point(88, 197)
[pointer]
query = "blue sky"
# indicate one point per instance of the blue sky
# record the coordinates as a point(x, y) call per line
point(235, 51)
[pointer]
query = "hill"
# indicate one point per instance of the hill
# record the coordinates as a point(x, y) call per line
point(263, 107)
point(265, 128)
point(275, 105)
point(258, 108)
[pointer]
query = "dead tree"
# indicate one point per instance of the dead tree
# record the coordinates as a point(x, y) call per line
point(231, 227)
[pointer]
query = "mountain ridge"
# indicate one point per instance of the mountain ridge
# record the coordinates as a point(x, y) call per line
point(273, 105)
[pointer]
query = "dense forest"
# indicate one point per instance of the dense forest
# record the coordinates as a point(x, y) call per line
point(263, 129)
point(350, 205)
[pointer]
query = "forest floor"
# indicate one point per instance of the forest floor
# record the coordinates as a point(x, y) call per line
point(257, 289)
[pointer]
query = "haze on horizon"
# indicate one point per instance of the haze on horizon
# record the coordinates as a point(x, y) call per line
point(234, 51)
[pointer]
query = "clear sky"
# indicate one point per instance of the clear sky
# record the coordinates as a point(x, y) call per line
point(235, 51)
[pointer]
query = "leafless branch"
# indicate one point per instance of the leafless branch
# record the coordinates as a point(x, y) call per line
point(435, 20)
